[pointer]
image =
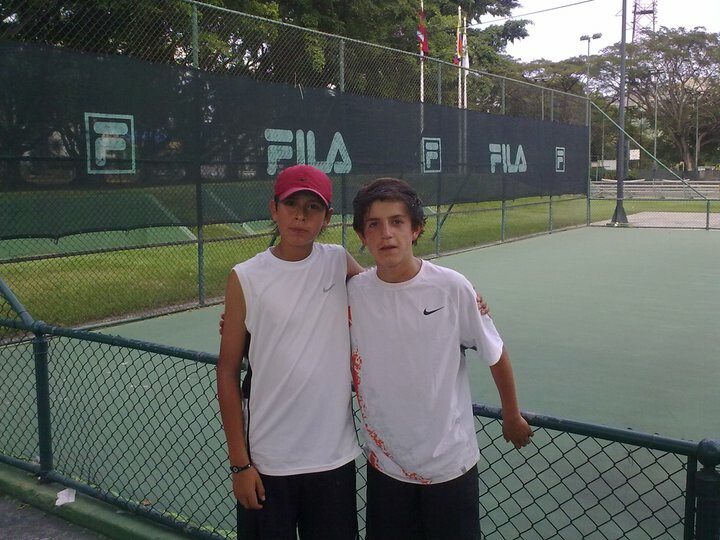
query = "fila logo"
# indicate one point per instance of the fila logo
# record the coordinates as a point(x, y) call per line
point(559, 159)
point(500, 154)
point(431, 155)
point(110, 143)
point(337, 160)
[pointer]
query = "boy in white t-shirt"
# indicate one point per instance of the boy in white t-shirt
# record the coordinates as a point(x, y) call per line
point(292, 454)
point(410, 323)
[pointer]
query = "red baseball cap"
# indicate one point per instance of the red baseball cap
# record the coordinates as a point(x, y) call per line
point(303, 178)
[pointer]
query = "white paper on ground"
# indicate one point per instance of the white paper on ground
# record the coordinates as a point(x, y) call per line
point(65, 496)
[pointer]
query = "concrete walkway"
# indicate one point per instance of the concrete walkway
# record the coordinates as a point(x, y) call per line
point(21, 521)
point(28, 512)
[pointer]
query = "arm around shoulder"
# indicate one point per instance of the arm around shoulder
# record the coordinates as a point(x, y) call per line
point(353, 267)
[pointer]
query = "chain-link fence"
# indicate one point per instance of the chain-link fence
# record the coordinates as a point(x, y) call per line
point(136, 424)
point(651, 195)
point(82, 251)
point(216, 40)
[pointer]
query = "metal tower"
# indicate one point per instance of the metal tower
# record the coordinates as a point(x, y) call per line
point(644, 17)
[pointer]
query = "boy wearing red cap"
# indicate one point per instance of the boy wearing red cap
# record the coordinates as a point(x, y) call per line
point(292, 454)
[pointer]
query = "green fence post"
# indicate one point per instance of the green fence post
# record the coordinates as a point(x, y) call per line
point(343, 179)
point(201, 245)
point(438, 223)
point(587, 209)
point(439, 86)
point(341, 66)
point(196, 55)
point(502, 221)
point(343, 208)
point(550, 221)
point(502, 94)
point(42, 389)
point(707, 489)
point(707, 215)
point(589, 126)
point(690, 495)
point(198, 180)
point(589, 181)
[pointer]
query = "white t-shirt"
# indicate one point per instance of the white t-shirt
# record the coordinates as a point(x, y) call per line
point(300, 406)
point(409, 371)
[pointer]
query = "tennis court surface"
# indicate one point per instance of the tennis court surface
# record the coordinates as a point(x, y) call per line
point(609, 326)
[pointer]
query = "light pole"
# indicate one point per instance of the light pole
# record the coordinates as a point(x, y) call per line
point(587, 75)
point(587, 113)
point(697, 139)
point(619, 218)
point(655, 75)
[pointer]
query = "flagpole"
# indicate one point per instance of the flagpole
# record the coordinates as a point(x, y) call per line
point(422, 78)
point(458, 53)
point(465, 63)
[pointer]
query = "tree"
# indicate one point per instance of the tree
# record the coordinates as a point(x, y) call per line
point(159, 31)
point(686, 66)
point(565, 75)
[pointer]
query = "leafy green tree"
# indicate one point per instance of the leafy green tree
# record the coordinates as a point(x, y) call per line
point(685, 65)
point(565, 75)
point(160, 31)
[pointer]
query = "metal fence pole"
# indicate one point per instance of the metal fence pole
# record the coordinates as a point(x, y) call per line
point(341, 65)
point(587, 209)
point(439, 81)
point(42, 389)
point(198, 179)
point(689, 518)
point(550, 220)
point(201, 246)
point(343, 208)
point(343, 179)
point(438, 223)
point(589, 126)
point(502, 221)
point(552, 105)
point(707, 215)
point(502, 94)
point(196, 55)
point(542, 104)
point(707, 488)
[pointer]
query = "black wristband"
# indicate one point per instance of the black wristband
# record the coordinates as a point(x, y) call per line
point(234, 469)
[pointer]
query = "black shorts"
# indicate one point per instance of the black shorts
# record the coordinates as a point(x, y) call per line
point(400, 510)
point(316, 505)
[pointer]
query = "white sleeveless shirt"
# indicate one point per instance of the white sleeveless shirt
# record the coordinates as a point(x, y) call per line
point(410, 374)
point(300, 412)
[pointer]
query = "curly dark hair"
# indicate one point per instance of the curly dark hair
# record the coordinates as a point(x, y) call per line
point(388, 189)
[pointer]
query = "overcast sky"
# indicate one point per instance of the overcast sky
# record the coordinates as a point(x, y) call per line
point(555, 35)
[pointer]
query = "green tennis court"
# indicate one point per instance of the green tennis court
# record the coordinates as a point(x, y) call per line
point(610, 326)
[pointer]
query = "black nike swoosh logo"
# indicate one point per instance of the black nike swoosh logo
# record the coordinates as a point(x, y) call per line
point(330, 287)
point(426, 312)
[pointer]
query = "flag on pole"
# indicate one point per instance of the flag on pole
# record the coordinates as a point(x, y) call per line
point(458, 57)
point(458, 43)
point(422, 34)
point(465, 62)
